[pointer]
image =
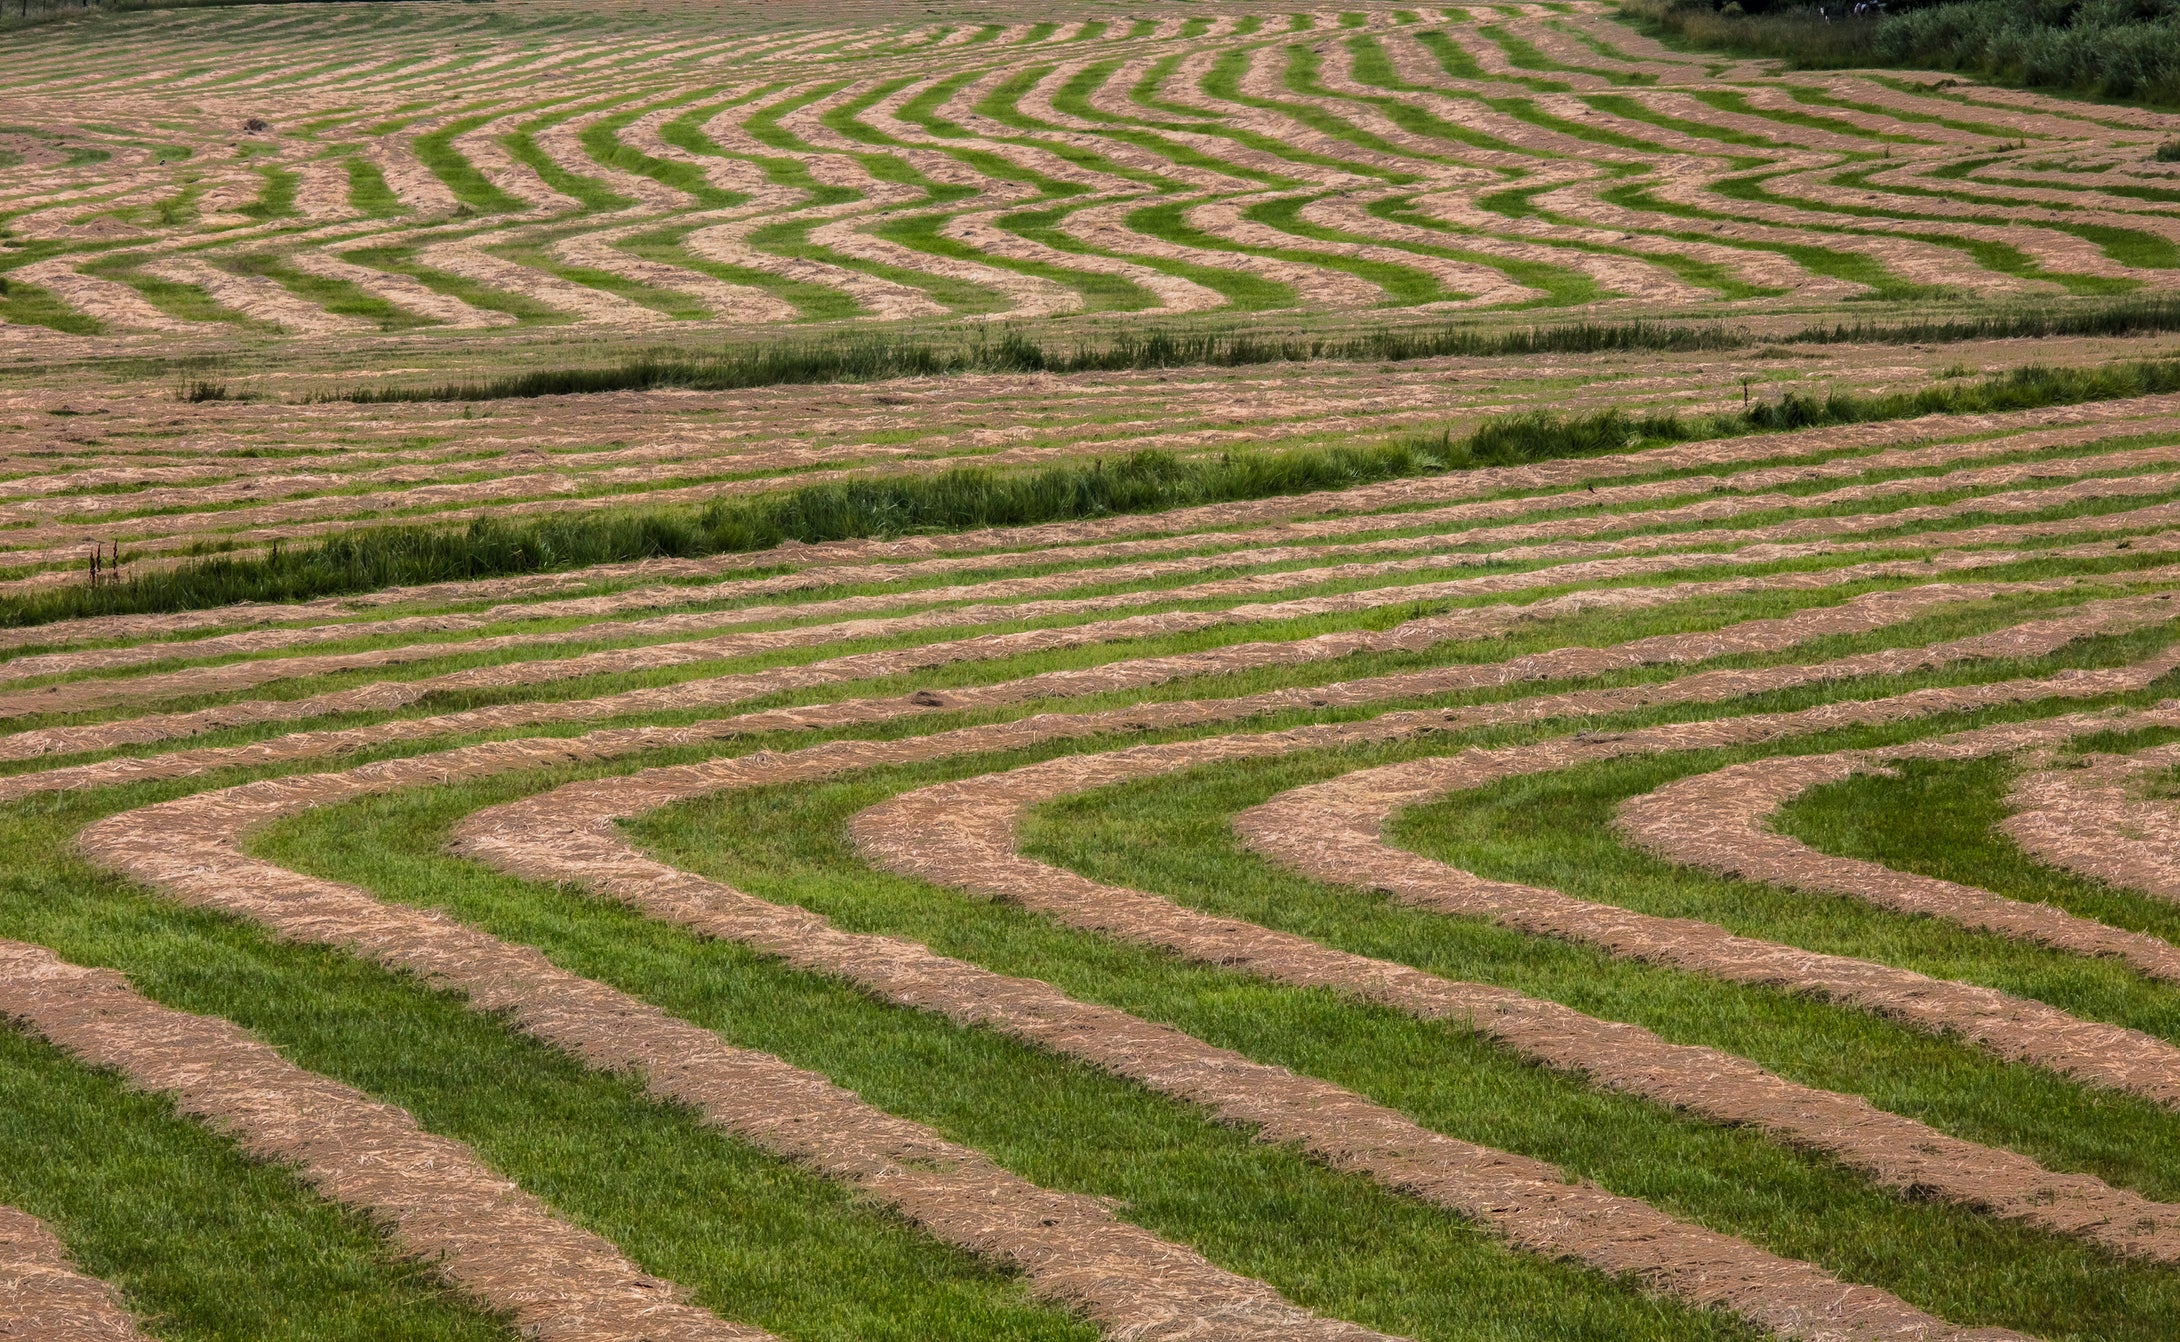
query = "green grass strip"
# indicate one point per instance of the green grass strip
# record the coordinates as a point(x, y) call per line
point(368, 193)
point(211, 1245)
point(402, 261)
point(1332, 1242)
point(28, 305)
point(1173, 836)
point(750, 1235)
point(1947, 826)
point(472, 188)
point(340, 297)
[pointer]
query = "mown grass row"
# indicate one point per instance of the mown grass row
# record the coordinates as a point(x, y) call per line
point(972, 496)
point(878, 358)
point(750, 1235)
point(789, 844)
point(744, 1231)
point(957, 499)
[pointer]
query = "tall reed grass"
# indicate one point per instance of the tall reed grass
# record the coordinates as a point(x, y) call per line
point(877, 358)
point(871, 359)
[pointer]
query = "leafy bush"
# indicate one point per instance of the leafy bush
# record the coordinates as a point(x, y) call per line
point(2110, 48)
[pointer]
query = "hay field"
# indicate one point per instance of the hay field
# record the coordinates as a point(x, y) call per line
point(1667, 834)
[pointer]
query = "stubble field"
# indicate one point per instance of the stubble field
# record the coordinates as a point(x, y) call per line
point(1652, 817)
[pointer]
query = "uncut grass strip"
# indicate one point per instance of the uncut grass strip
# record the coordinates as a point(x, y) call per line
point(1565, 474)
point(441, 1202)
point(723, 690)
point(44, 1297)
point(2098, 817)
point(1706, 506)
point(1528, 1201)
point(1333, 832)
point(1071, 1248)
point(1716, 821)
point(1141, 673)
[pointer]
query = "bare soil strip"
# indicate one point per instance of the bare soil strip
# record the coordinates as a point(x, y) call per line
point(1333, 831)
point(439, 1200)
point(44, 1298)
point(1070, 1248)
point(2086, 817)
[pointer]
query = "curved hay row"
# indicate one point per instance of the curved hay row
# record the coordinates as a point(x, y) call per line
point(1414, 635)
point(385, 695)
point(1715, 821)
point(44, 1297)
point(106, 301)
point(545, 492)
point(1334, 513)
point(2088, 817)
point(726, 302)
point(1332, 831)
point(1184, 115)
point(255, 297)
point(569, 834)
point(2051, 427)
point(488, 1237)
point(403, 291)
point(1069, 1247)
point(962, 835)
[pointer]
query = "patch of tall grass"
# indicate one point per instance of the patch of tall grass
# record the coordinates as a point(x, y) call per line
point(1514, 440)
point(875, 358)
point(878, 358)
point(953, 500)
